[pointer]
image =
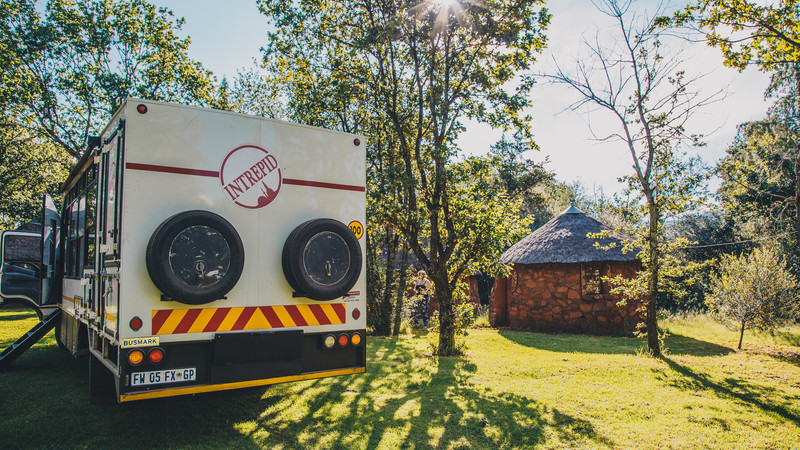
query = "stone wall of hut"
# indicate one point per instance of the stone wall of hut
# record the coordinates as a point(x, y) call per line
point(550, 298)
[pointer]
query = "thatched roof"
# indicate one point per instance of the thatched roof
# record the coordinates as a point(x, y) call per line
point(563, 240)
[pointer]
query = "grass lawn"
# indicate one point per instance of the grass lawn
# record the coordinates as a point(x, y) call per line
point(513, 390)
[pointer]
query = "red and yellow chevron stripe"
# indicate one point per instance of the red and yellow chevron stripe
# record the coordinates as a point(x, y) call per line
point(200, 320)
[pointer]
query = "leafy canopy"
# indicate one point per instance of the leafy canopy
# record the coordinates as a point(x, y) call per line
point(747, 32)
point(67, 70)
point(412, 71)
point(753, 291)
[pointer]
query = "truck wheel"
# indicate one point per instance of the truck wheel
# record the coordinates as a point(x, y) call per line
point(195, 257)
point(322, 259)
point(57, 333)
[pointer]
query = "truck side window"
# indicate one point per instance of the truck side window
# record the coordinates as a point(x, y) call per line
point(79, 225)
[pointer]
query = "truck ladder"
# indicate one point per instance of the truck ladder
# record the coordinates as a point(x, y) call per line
point(28, 339)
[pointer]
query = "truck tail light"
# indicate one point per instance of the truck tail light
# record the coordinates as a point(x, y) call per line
point(329, 341)
point(356, 339)
point(343, 340)
point(135, 357)
point(156, 355)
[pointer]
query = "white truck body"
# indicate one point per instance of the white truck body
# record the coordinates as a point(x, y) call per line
point(265, 178)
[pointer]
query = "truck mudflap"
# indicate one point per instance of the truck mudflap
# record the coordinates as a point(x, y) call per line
point(237, 360)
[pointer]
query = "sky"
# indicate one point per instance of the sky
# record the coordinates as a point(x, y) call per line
point(227, 36)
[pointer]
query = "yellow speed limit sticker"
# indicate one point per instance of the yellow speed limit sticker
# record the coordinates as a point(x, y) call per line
point(357, 229)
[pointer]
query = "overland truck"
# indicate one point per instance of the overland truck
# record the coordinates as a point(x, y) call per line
point(199, 250)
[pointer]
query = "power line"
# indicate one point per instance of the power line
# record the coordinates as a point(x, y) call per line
point(742, 242)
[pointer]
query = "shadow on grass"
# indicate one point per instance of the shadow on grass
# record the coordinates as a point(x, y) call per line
point(569, 343)
point(580, 343)
point(407, 402)
point(785, 356)
point(404, 400)
point(746, 392)
point(684, 345)
point(788, 338)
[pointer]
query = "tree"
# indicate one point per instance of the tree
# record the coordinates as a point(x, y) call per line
point(66, 72)
point(710, 235)
point(753, 291)
point(759, 188)
point(747, 32)
point(649, 96)
point(523, 179)
point(28, 170)
point(761, 170)
point(253, 93)
point(426, 66)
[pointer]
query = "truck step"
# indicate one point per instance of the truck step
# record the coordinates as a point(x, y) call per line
point(28, 339)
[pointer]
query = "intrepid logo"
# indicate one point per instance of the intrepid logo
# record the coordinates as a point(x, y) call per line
point(250, 176)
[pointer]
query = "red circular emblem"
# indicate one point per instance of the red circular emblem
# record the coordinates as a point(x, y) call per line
point(250, 176)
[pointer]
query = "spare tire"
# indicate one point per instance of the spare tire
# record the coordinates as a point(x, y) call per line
point(322, 259)
point(195, 257)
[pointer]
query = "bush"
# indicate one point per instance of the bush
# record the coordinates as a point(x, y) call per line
point(465, 317)
point(753, 291)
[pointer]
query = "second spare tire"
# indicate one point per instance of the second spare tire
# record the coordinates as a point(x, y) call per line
point(322, 259)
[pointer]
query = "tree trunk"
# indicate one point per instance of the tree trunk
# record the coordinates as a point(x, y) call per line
point(793, 138)
point(797, 202)
point(400, 291)
point(741, 336)
point(384, 325)
point(374, 283)
point(447, 329)
point(652, 288)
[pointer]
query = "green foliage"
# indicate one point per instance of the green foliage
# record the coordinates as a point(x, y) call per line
point(754, 291)
point(251, 92)
point(28, 170)
point(710, 234)
point(747, 32)
point(618, 210)
point(464, 318)
point(523, 179)
point(407, 74)
point(67, 70)
point(483, 218)
point(759, 182)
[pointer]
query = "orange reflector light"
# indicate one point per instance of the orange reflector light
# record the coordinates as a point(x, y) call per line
point(356, 339)
point(330, 341)
point(156, 355)
point(135, 357)
point(343, 340)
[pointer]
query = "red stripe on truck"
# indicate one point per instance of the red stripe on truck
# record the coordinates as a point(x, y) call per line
point(215, 174)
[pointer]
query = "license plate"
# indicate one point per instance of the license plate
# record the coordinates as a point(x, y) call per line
point(163, 376)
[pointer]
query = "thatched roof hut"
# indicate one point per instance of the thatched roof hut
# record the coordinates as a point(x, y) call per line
point(558, 279)
point(564, 240)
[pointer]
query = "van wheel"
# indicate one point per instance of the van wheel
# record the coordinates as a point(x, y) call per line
point(195, 257)
point(322, 259)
